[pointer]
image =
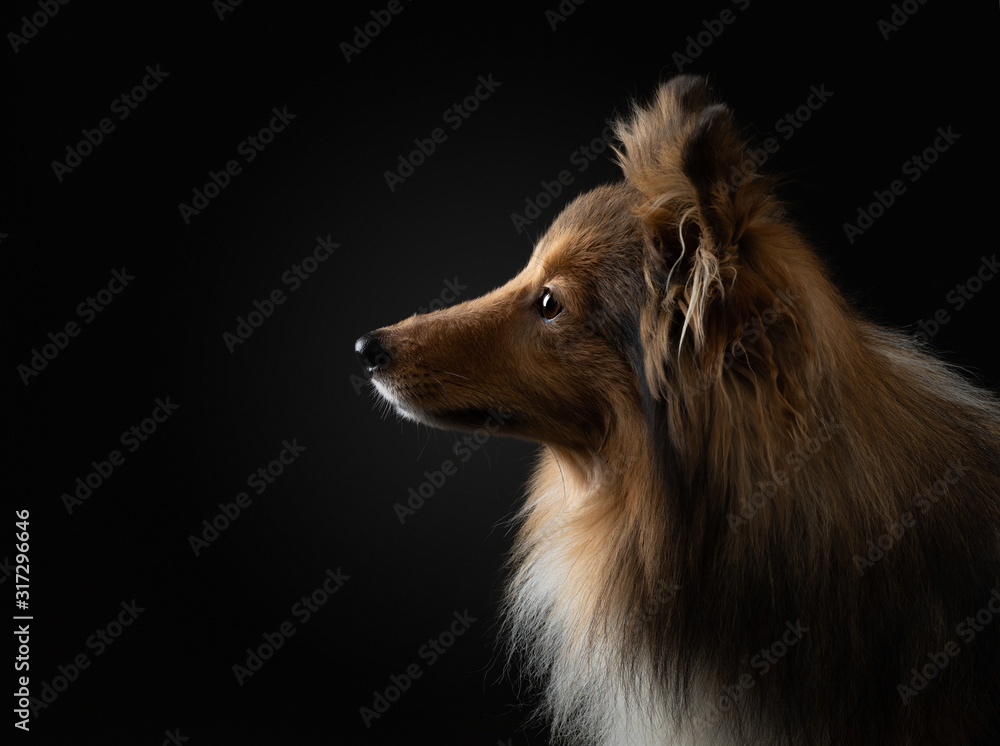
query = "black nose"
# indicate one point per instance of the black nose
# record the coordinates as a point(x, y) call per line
point(372, 353)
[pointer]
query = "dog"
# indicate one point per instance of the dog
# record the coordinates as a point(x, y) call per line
point(757, 517)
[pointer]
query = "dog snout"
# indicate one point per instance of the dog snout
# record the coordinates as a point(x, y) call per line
point(372, 352)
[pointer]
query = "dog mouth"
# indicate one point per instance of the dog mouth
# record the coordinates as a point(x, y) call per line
point(427, 395)
point(404, 408)
point(466, 418)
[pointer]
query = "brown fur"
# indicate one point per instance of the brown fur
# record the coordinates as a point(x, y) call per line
point(700, 355)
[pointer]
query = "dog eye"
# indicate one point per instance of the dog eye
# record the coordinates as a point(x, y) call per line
point(549, 305)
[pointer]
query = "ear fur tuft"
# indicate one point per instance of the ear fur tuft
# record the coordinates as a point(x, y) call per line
point(700, 193)
point(683, 150)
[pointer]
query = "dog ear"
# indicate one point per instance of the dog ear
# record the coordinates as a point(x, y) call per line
point(712, 160)
point(699, 192)
point(684, 154)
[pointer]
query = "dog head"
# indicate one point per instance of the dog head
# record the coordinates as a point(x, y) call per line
point(632, 299)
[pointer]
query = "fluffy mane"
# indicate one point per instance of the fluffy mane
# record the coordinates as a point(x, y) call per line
point(771, 436)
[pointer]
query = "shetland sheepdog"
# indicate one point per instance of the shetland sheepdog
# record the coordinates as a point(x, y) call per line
point(757, 518)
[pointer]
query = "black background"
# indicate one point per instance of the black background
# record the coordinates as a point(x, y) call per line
point(162, 336)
